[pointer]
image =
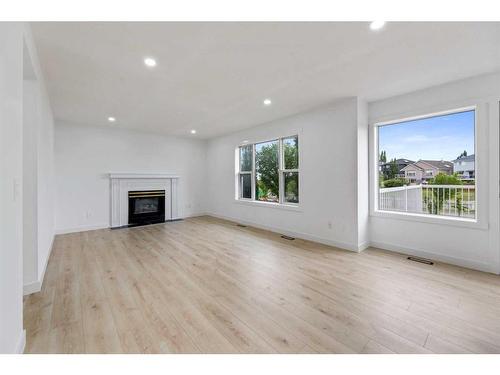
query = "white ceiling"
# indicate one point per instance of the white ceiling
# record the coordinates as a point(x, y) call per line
point(213, 77)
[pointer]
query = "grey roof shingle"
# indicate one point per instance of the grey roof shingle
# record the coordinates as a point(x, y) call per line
point(465, 158)
point(440, 164)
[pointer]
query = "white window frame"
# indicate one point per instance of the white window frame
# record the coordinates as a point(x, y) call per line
point(251, 173)
point(281, 170)
point(480, 139)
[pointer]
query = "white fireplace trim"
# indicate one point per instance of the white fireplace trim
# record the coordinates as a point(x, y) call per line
point(122, 183)
point(141, 175)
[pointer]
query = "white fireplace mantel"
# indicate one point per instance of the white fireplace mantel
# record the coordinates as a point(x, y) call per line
point(141, 175)
point(122, 183)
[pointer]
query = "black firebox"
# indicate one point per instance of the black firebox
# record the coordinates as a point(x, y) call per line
point(146, 207)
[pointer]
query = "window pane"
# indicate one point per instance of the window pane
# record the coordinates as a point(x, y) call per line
point(291, 187)
point(291, 151)
point(427, 165)
point(246, 158)
point(246, 185)
point(266, 171)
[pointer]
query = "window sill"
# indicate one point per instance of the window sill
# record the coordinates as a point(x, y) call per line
point(440, 220)
point(289, 207)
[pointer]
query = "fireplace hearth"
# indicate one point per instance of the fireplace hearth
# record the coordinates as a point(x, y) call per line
point(146, 207)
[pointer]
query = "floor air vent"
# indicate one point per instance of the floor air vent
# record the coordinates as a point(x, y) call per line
point(241, 225)
point(287, 238)
point(421, 260)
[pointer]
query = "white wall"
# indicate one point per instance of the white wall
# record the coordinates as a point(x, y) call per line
point(334, 150)
point(11, 268)
point(471, 247)
point(85, 156)
point(328, 176)
point(362, 176)
point(30, 174)
point(38, 167)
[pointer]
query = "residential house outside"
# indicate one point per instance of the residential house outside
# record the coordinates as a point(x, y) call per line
point(464, 167)
point(385, 168)
point(424, 170)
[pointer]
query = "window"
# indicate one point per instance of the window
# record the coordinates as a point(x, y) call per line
point(245, 175)
point(269, 171)
point(437, 145)
point(291, 169)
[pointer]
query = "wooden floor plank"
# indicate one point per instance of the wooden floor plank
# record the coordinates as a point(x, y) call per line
point(205, 285)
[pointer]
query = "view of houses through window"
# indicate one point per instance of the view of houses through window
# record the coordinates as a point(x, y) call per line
point(269, 171)
point(427, 165)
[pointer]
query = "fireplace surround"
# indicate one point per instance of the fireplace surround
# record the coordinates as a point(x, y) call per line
point(146, 207)
point(123, 183)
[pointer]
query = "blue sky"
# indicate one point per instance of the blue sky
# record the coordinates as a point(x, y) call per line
point(437, 138)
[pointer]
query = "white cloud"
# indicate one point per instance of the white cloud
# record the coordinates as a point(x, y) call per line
point(417, 138)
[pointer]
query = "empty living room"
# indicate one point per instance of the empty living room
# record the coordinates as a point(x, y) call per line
point(233, 183)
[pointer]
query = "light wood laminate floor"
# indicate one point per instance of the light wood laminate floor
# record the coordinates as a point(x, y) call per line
point(205, 285)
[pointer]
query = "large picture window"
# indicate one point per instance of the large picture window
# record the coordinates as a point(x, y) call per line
point(427, 165)
point(269, 171)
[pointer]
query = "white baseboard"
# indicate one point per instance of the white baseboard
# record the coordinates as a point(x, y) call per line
point(33, 287)
point(304, 236)
point(21, 343)
point(42, 275)
point(363, 246)
point(480, 266)
point(36, 286)
point(194, 214)
point(85, 228)
point(467, 263)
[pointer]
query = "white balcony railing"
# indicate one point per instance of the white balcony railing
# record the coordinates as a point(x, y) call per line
point(444, 200)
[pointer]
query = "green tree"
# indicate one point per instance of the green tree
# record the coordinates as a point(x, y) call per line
point(395, 182)
point(291, 190)
point(266, 167)
point(392, 171)
point(463, 154)
point(383, 157)
point(291, 151)
point(291, 161)
point(435, 198)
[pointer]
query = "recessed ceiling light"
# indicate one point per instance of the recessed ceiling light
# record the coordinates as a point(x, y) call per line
point(267, 102)
point(193, 131)
point(245, 141)
point(150, 62)
point(377, 25)
point(111, 119)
